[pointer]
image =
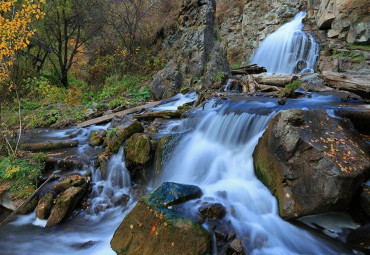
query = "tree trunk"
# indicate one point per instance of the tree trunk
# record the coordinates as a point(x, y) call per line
point(359, 84)
point(279, 80)
point(64, 78)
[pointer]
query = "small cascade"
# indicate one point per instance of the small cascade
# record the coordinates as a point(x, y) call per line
point(288, 50)
point(107, 191)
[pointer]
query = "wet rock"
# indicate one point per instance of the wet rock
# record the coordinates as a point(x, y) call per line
point(165, 149)
point(365, 199)
point(29, 207)
point(97, 138)
point(311, 162)
point(115, 137)
point(122, 121)
point(314, 83)
point(214, 211)
point(103, 165)
point(65, 204)
point(138, 152)
point(170, 193)
point(138, 149)
point(70, 181)
point(235, 247)
point(152, 228)
point(44, 206)
point(282, 101)
point(120, 200)
point(359, 238)
point(85, 245)
point(154, 126)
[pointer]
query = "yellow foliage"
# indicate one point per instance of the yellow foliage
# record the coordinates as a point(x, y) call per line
point(15, 30)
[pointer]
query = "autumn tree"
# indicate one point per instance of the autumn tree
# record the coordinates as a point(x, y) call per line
point(67, 26)
point(15, 32)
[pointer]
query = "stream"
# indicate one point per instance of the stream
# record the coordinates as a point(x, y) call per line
point(215, 153)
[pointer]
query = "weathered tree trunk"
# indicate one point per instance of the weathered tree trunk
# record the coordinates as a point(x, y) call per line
point(279, 80)
point(359, 84)
point(48, 146)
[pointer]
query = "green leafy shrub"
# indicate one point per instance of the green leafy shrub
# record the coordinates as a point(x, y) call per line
point(290, 88)
point(23, 173)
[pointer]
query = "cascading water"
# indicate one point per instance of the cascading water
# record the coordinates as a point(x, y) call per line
point(215, 153)
point(217, 156)
point(288, 50)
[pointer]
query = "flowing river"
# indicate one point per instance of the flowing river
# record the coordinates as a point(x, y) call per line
point(215, 153)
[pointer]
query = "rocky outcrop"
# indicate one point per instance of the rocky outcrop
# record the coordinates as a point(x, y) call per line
point(311, 162)
point(116, 136)
point(194, 51)
point(334, 24)
point(153, 228)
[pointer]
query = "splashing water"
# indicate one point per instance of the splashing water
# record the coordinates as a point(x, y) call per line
point(218, 158)
point(288, 50)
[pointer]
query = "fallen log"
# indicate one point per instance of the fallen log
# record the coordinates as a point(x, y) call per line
point(251, 69)
point(160, 114)
point(49, 146)
point(359, 84)
point(279, 80)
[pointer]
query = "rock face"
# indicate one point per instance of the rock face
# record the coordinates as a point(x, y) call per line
point(152, 228)
point(194, 51)
point(333, 23)
point(311, 162)
point(138, 152)
point(365, 199)
point(116, 136)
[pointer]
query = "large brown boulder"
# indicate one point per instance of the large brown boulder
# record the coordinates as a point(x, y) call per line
point(152, 228)
point(311, 162)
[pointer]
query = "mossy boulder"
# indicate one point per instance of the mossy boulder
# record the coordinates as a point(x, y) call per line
point(138, 149)
point(70, 181)
point(311, 162)
point(138, 152)
point(116, 136)
point(152, 228)
point(44, 206)
point(97, 138)
point(65, 204)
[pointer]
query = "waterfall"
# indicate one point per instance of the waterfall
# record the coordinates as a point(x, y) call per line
point(288, 50)
point(217, 156)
